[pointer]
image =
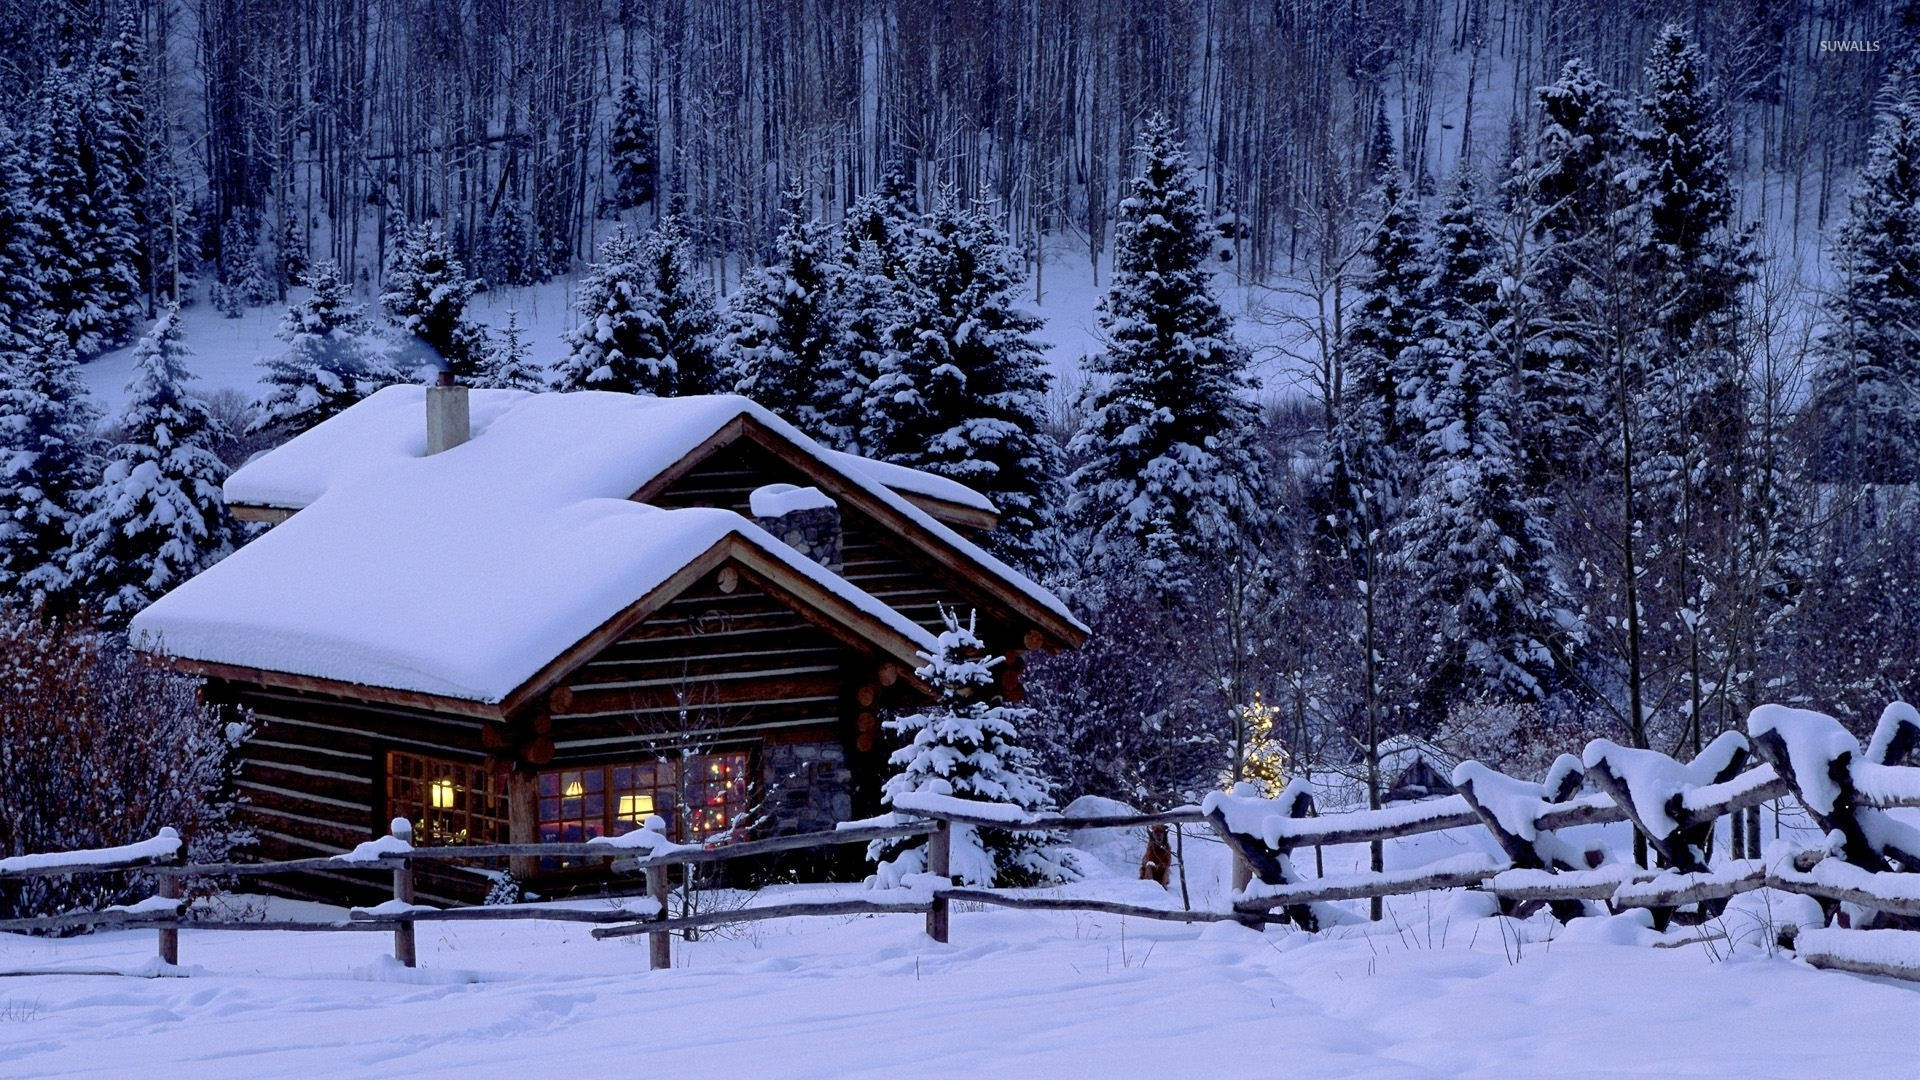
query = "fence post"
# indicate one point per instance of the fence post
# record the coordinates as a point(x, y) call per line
point(171, 886)
point(660, 942)
point(403, 948)
point(939, 859)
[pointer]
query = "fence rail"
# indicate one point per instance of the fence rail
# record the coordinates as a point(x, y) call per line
point(1673, 806)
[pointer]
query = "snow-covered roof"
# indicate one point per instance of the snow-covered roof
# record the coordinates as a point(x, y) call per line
point(913, 481)
point(645, 436)
point(464, 573)
point(387, 426)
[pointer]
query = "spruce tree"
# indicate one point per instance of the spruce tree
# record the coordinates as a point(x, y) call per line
point(1173, 470)
point(157, 516)
point(507, 366)
point(427, 289)
point(967, 745)
point(631, 150)
point(1473, 544)
point(648, 324)
point(1868, 355)
point(1378, 351)
point(870, 290)
point(48, 461)
point(88, 273)
point(1577, 212)
point(243, 282)
point(23, 247)
point(964, 396)
point(329, 364)
point(126, 147)
point(783, 333)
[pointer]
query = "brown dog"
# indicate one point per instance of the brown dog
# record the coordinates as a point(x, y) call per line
point(1159, 857)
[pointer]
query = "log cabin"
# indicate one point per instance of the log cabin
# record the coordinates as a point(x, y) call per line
point(519, 617)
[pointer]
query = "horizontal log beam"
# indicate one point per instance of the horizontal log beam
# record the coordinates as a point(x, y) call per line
point(1070, 903)
point(761, 914)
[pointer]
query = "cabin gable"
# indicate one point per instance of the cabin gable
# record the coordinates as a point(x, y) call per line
point(878, 556)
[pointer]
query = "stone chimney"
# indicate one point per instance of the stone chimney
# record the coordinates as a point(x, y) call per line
point(804, 519)
point(447, 415)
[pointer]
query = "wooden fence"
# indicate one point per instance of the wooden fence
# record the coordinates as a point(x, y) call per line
point(1867, 877)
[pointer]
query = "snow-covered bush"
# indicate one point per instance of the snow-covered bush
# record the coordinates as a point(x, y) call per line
point(100, 746)
point(967, 746)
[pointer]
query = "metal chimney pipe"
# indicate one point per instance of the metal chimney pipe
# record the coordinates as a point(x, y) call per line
point(448, 418)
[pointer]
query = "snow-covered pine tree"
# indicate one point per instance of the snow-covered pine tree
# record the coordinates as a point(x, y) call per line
point(507, 366)
point(243, 280)
point(964, 396)
point(967, 745)
point(783, 332)
point(427, 289)
point(23, 246)
point(157, 516)
point(1868, 354)
point(631, 151)
point(1695, 406)
point(329, 364)
point(876, 241)
point(1378, 353)
point(647, 321)
point(1577, 211)
point(48, 461)
point(1472, 544)
point(88, 272)
point(1173, 468)
point(126, 144)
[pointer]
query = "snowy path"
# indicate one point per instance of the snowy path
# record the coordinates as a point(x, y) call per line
point(1017, 994)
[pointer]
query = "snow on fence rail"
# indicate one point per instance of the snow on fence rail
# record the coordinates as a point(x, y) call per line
point(1871, 864)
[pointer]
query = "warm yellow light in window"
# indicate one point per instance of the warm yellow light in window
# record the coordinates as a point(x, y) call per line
point(574, 788)
point(635, 807)
point(440, 794)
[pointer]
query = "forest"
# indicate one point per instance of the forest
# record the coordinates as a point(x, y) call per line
point(1602, 321)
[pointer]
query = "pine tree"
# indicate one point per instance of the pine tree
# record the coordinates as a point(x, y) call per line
point(126, 149)
point(329, 363)
point(964, 396)
point(88, 272)
point(48, 461)
point(631, 151)
point(870, 289)
point(1378, 351)
point(243, 279)
point(23, 247)
point(507, 366)
point(967, 746)
point(648, 324)
point(1473, 544)
point(1868, 356)
point(427, 290)
point(1173, 469)
point(157, 517)
point(1576, 207)
point(1695, 404)
point(783, 333)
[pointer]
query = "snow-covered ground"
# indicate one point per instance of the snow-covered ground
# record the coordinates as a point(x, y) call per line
point(1438, 990)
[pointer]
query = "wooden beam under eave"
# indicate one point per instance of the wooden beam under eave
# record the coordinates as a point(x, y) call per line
point(351, 691)
point(844, 620)
point(270, 515)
